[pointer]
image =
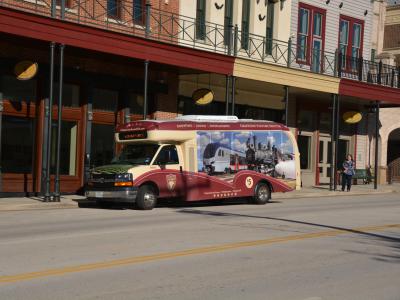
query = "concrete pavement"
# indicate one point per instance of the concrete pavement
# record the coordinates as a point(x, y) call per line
point(73, 201)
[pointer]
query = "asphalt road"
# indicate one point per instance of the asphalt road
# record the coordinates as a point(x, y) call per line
point(328, 248)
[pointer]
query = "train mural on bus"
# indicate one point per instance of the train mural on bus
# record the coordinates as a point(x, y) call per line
point(267, 152)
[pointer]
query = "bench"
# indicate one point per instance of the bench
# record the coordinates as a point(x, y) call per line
point(364, 174)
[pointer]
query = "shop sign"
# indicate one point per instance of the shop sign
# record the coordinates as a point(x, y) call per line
point(203, 96)
point(25, 70)
point(352, 117)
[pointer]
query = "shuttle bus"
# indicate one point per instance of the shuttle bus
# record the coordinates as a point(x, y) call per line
point(197, 158)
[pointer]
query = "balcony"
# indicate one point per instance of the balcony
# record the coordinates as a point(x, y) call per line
point(169, 27)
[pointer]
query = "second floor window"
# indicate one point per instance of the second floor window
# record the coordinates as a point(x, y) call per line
point(350, 41)
point(228, 21)
point(270, 27)
point(201, 19)
point(245, 24)
point(311, 36)
point(67, 3)
point(114, 9)
point(138, 11)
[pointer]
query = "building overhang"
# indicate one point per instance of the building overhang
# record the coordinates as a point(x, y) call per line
point(370, 92)
point(77, 35)
point(285, 76)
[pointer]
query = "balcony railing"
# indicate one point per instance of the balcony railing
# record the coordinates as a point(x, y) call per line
point(169, 27)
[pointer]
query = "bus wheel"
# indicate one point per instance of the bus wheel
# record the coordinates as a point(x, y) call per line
point(146, 198)
point(262, 194)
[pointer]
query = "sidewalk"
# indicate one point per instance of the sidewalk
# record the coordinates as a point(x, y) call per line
point(72, 201)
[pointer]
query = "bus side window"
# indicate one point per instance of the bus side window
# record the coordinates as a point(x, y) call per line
point(168, 156)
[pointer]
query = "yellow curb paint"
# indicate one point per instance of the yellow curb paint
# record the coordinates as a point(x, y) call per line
point(189, 252)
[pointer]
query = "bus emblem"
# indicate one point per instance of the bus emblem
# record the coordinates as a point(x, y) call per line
point(171, 181)
point(249, 182)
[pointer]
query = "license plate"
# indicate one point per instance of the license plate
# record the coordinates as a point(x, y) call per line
point(99, 194)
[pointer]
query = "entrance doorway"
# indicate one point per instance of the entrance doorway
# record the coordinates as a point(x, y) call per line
point(393, 156)
point(325, 160)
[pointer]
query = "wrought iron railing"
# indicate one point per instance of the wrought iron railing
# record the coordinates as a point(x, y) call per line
point(168, 27)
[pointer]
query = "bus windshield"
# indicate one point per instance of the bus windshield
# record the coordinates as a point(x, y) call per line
point(136, 154)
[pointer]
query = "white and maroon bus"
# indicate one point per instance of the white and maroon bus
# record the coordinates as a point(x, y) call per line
point(198, 158)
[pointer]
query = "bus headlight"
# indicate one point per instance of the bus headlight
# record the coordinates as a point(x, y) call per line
point(123, 180)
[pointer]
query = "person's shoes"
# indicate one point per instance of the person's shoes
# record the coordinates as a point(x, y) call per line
point(348, 190)
point(342, 190)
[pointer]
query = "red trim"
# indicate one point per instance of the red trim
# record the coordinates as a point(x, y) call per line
point(46, 29)
point(351, 21)
point(190, 125)
point(369, 92)
point(312, 10)
point(355, 147)
point(317, 162)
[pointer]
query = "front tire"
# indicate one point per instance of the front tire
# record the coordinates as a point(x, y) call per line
point(146, 198)
point(262, 194)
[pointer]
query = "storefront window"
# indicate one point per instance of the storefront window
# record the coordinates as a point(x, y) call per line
point(188, 107)
point(68, 148)
point(17, 144)
point(18, 90)
point(70, 96)
point(325, 124)
point(304, 144)
point(105, 100)
point(307, 120)
point(102, 145)
point(135, 104)
point(258, 113)
point(343, 150)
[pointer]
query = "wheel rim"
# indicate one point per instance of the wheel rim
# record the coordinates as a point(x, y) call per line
point(263, 193)
point(149, 198)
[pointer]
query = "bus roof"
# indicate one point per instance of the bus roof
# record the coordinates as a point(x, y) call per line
point(187, 124)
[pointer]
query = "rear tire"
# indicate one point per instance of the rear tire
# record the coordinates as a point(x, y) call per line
point(262, 194)
point(146, 198)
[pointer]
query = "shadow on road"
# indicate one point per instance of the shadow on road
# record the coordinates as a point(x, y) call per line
point(391, 241)
point(83, 203)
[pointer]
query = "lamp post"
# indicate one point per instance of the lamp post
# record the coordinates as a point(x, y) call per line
point(56, 196)
point(47, 197)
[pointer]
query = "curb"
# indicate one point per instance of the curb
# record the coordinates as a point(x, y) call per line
point(38, 206)
point(330, 194)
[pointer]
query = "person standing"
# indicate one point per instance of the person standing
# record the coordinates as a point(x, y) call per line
point(348, 172)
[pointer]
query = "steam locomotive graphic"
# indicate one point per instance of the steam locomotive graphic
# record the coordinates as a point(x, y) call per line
point(270, 153)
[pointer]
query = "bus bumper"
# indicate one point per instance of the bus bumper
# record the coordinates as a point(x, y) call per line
point(127, 195)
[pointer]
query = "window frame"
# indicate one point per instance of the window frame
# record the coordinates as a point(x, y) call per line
point(245, 30)
point(156, 160)
point(310, 33)
point(67, 3)
point(142, 15)
point(228, 21)
point(269, 27)
point(346, 65)
point(309, 136)
point(200, 28)
point(118, 8)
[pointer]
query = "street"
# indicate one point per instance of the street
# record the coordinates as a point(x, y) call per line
point(324, 248)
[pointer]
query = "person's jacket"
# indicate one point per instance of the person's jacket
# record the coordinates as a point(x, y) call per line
point(348, 167)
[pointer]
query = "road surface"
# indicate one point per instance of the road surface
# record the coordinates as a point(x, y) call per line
point(327, 248)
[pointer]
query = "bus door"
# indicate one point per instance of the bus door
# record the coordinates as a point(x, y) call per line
point(170, 183)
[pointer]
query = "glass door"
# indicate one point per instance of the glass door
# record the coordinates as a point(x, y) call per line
point(324, 160)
